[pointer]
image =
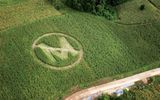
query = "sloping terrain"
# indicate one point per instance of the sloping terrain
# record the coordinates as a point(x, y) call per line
point(130, 13)
point(155, 3)
point(10, 2)
point(112, 87)
point(24, 12)
point(111, 50)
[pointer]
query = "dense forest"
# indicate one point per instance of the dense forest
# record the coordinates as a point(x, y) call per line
point(104, 8)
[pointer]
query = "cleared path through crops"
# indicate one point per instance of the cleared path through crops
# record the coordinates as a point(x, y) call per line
point(90, 93)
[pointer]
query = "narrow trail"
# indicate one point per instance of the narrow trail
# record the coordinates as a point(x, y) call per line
point(133, 24)
point(154, 5)
point(112, 87)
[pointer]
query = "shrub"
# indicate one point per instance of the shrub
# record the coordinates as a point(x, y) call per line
point(142, 7)
point(116, 2)
point(97, 7)
point(104, 97)
point(56, 3)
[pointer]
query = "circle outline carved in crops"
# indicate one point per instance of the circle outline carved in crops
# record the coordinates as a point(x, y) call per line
point(80, 55)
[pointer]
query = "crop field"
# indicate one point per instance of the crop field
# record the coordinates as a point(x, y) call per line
point(24, 12)
point(107, 49)
point(155, 3)
point(9, 2)
point(55, 50)
point(129, 13)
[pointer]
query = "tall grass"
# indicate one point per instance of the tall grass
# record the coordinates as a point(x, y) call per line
point(24, 12)
point(110, 50)
point(129, 12)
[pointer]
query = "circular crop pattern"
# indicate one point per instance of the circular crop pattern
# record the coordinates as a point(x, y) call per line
point(57, 51)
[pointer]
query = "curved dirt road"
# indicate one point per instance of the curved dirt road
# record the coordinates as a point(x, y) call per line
point(93, 92)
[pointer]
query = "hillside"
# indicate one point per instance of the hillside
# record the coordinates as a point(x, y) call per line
point(111, 49)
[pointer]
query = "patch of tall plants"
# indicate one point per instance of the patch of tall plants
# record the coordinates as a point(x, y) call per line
point(57, 4)
point(104, 8)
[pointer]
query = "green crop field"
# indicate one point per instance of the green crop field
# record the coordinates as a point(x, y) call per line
point(10, 2)
point(155, 3)
point(129, 12)
point(111, 49)
point(24, 12)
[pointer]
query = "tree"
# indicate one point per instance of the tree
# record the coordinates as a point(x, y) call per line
point(99, 7)
point(142, 7)
point(56, 3)
point(116, 2)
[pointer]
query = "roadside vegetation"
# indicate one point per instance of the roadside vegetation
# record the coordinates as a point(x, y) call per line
point(110, 49)
point(139, 92)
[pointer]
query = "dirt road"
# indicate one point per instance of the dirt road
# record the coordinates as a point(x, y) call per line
point(90, 93)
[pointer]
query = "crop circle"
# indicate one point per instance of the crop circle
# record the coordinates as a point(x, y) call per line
point(57, 51)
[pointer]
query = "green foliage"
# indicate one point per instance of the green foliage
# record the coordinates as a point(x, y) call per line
point(41, 56)
point(61, 63)
point(155, 3)
point(98, 7)
point(129, 11)
point(10, 2)
point(57, 4)
point(110, 50)
point(117, 2)
point(104, 97)
point(82, 5)
point(142, 7)
point(24, 12)
point(149, 92)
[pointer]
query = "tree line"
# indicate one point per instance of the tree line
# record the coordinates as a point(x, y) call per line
point(104, 8)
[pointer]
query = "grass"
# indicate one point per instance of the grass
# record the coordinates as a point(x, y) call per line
point(23, 13)
point(130, 13)
point(156, 3)
point(58, 57)
point(48, 58)
point(110, 50)
point(10, 2)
